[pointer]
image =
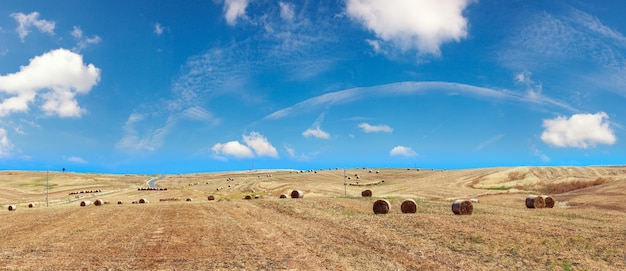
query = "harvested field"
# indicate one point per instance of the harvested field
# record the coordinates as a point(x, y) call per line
point(324, 230)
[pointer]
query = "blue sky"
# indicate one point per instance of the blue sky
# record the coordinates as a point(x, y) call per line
point(195, 86)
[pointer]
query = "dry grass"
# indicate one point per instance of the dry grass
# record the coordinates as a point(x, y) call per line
point(324, 230)
point(562, 187)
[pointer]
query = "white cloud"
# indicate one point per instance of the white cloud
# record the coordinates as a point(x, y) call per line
point(6, 147)
point(232, 148)
point(76, 159)
point(402, 151)
point(367, 128)
point(81, 41)
point(286, 11)
point(233, 9)
point(25, 22)
point(489, 142)
point(150, 142)
point(410, 88)
point(253, 141)
point(59, 74)
point(158, 29)
point(412, 25)
point(294, 155)
point(579, 131)
point(316, 132)
point(260, 145)
point(200, 114)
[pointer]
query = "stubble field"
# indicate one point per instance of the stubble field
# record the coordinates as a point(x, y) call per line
point(331, 228)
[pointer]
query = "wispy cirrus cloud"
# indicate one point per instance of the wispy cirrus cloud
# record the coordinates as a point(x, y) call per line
point(411, 89)
point(27, 21)
point(550, 43)
point(6, 147)
point(381, 128)
point(83, 41)
point(76, 160)
point(489, 142)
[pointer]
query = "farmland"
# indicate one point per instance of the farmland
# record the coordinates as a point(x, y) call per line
point(332, 227)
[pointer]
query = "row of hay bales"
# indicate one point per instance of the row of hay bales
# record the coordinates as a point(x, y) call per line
point(85, 192)
point(100, 202)
point(366, 184)
point(382, 206)
point(13, 207)
point(541, 201)
point(409, 206)
point(459, 206)
point(151, 188)
point(169, 199)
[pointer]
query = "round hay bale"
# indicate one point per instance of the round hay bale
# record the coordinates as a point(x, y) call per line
point(120, 202)
point(98, 202)
point(30, 205)
point(85, 203)
point(211, 197)
point(297, 194)
point(283, 196)
point(474, 200)
point(248, 197)
point(548, 201)
point(189, 199)
point(12, 207)
point(381, 206)
point(535, 202)
point(142, 201)
point(408, 206)
point(257, 196)
point(462, 207)
point(366, 193)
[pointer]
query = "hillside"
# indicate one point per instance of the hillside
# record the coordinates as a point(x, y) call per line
point(331, 228)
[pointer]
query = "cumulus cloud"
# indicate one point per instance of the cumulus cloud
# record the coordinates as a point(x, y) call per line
point(57, 77)
point(6, 147)
point(367, 128)
point(253, 142)
point(578, 131)
point(76, 160)
point(402, 151)
point(412, 25)
point(25, 22)
point(232, 148)
point(233, 9)
point(260, 145)
point(82, 41)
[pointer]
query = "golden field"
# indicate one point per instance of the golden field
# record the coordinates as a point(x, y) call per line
point(331, 228)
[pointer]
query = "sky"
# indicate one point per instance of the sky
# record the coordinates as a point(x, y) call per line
point(218, 85)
